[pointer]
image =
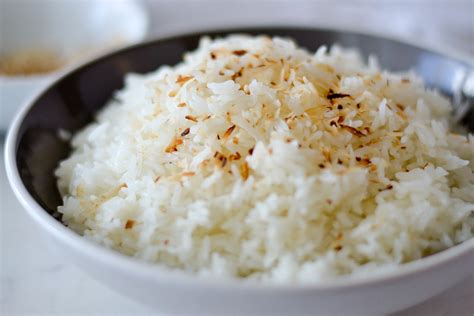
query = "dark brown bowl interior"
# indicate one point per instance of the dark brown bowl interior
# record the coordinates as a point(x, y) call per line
point(71, 102)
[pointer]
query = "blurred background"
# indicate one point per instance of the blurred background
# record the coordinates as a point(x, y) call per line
point(441, 24)
point(39, 39)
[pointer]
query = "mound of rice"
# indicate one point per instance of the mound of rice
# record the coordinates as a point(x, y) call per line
point(254, 158)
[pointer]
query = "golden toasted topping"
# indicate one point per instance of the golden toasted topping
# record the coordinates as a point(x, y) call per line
point(353, 130)
point(229, 131)
point(129, 224)
point(182, 79)
point(244, 170)
point(173, 146)
point(239, 52)
point(191, 118)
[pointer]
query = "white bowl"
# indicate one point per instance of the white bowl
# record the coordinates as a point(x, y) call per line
point(74, 30)
point(179, 292)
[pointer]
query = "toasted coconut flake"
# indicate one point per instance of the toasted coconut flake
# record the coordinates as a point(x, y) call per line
point(129, 224)
point(173, 146)
point(235, 156)
point(229, 131)
point(182, 79)
point(239, 52)
point(332, 96)
point(191, 118)
point(244, 170)
point(365, 161)
point(353, 130)
point(237, 75)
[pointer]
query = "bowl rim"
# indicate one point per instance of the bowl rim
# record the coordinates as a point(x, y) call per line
point(162, 273)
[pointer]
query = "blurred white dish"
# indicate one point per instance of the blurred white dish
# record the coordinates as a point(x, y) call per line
point(72, 30)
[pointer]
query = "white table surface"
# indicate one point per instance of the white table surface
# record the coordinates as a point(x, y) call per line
point(34, 282)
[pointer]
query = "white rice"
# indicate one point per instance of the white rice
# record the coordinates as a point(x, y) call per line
point(335, 184)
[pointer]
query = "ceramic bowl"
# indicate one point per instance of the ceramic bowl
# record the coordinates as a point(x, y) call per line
point(33, 150)
point(72, 30)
